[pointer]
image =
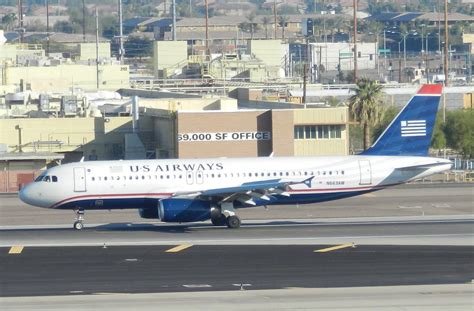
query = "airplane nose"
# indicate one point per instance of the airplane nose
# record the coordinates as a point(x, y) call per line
point(24, 194)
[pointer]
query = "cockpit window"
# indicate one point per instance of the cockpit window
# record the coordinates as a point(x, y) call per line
point(47, 179)
point(39, 178)
point(54, 178)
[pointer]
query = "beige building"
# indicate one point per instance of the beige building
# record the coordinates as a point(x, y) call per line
point(169, 57)
point(249, 133)
point(63, 77)
point(87, 51)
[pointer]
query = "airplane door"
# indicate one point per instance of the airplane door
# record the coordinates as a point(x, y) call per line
point(79, 179)
point(189, 178)
point(365, 172)
point(199, 177)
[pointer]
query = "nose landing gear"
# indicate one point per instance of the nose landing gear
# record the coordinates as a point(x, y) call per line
point(78, 224)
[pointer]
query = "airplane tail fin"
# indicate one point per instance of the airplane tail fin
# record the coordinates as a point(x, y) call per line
point(411, 131)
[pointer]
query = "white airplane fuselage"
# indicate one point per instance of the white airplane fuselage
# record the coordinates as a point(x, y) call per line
point(184, 190)
point(126, 184)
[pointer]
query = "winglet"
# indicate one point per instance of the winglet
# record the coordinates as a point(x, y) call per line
point(430, 89)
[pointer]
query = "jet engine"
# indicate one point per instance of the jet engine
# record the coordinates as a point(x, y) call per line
point(184, 210)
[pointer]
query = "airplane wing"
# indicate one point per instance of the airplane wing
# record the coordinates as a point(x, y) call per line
point(248, 192)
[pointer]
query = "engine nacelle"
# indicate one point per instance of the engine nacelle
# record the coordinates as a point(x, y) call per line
point(149, 213)
point(184, 210)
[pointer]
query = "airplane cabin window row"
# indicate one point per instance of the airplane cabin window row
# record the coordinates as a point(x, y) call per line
point(220, 175)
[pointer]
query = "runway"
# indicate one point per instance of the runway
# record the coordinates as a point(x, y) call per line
point(407, 236)
point(146, 269)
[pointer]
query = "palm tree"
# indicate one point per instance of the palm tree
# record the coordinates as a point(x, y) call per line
point(9, 20)
point(282, 21)
point(365, 106)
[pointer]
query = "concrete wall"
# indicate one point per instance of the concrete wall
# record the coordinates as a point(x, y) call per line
point(63, 77)
point(87, 51)
point(271, 52)
point(167, 54)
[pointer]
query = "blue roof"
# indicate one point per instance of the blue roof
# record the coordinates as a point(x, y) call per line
point(133, 22)
point(407, 17)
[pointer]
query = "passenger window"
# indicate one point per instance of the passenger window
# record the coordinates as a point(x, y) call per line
point(54, 178)
point(93, 178)
point(105, 178)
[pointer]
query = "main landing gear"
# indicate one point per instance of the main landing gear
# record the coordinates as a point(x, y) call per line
point(78, 224)
point(225, 215)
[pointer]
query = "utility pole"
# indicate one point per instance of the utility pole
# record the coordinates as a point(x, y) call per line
point(83, 21)
point(208, 53)
point(121, 50)
point(47, 28)
point(174, 19)
point(275, 17)
point(355, 40)
point(20, 10)
point(305, 72)
point(405, 51)
point(97, 46)
point(446, 44)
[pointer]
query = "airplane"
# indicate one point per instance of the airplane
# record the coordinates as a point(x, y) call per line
point(191, 190)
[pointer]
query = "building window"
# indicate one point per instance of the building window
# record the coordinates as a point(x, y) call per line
point(318, 131)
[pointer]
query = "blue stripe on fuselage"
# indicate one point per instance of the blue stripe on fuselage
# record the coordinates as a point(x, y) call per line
point(136, 203)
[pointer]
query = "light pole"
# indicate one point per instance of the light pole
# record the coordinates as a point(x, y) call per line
point(19, 128)
point(405, 50)
point(399, 63)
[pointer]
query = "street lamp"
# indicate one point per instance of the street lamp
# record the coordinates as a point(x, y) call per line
point(405, 50)
point(399, 63)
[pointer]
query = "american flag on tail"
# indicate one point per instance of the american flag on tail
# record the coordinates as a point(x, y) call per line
point(413, 128)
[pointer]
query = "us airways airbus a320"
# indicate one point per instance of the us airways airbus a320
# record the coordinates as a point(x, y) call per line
point(179, 190)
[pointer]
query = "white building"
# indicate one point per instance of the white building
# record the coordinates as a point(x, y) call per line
point(331, 55)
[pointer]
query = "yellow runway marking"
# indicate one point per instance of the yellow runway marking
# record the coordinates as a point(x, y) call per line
point(334, 248)
point(16, 250)
point(179, 248)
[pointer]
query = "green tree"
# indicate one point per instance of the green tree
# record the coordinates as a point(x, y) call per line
point(438, 141)
point(282, 21)
point(389, 115)
point(8, 21)
point(366, 106)
point(266, 21)
point(459, 130)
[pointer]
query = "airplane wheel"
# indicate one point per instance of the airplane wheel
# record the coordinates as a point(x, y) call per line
point(220, 220)
point(78, 225)
point(233, 222)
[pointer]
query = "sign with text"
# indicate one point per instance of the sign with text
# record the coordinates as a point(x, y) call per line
point(224, 136)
